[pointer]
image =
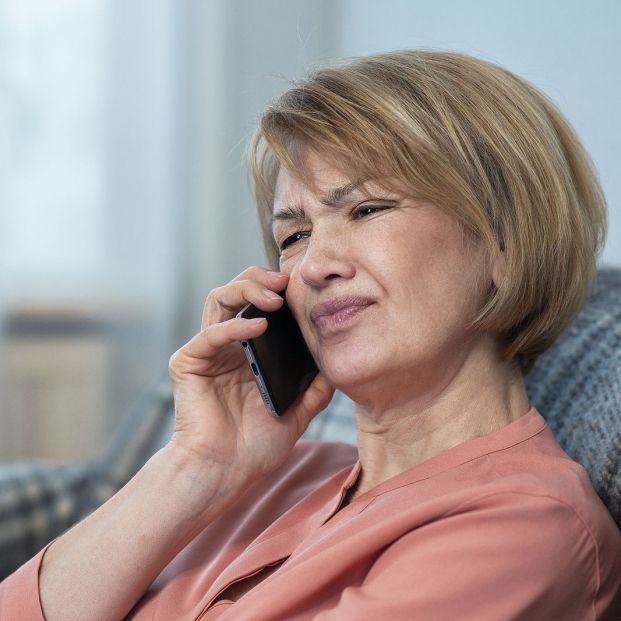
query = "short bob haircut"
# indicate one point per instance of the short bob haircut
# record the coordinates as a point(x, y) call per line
point(471, 138)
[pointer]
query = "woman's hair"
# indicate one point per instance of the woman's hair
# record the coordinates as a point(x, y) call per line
point(475, 140)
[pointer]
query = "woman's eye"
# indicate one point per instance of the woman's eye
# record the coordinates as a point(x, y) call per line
point(358, 213)
point(368, 210)
point(292, 239)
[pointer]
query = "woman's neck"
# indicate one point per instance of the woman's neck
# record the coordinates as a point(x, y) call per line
point(483, 395)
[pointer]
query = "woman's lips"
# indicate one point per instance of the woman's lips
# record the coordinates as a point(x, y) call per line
point(338, 313)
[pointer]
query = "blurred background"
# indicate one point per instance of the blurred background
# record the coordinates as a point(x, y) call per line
point(123, 191)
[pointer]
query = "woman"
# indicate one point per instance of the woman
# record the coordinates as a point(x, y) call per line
point(434, 223)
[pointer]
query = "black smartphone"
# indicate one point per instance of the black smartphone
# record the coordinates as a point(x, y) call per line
point(282, 365)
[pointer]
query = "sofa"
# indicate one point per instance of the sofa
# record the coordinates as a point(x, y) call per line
point(576, 385)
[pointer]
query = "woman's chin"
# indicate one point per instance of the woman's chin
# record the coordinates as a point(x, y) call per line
point(348, 375)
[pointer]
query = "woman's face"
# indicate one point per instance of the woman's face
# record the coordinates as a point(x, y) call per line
point(381, 285)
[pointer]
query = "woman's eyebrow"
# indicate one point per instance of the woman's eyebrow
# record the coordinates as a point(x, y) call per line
point(333, 198)
point(291, 212)
point(337, 196)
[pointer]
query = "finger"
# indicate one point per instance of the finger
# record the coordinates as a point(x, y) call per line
point(210, 341)
point(262, 275)
point(223, 303)
point(273, 281)
point(315, 399)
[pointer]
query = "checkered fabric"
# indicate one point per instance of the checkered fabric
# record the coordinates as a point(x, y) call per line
point(576, 385)
point(39, 500)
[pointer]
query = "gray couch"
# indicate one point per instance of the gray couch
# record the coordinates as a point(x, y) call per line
point(576, 385)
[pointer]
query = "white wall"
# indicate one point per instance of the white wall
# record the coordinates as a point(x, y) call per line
point(570, 49)
point(89, 200)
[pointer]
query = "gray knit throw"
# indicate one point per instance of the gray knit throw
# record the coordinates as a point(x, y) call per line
point(576, 385)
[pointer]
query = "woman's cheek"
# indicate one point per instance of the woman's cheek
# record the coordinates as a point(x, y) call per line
point(285, 265)
point(288, 261)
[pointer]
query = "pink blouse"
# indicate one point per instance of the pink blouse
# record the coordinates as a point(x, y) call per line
point(501, 527)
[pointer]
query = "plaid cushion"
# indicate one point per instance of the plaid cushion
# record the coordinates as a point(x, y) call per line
point(39, 500)
point(576, 385)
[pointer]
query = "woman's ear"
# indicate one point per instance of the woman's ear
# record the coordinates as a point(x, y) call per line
point(498, 269)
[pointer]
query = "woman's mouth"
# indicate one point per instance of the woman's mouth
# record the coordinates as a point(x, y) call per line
point(338, 313)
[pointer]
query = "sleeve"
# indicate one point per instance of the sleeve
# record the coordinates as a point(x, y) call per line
point(505, 556)
point(19, 593)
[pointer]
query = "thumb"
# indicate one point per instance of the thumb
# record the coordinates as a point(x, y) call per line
point(315, 399)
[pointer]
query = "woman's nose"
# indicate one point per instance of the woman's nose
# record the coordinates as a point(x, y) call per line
point(326, 258)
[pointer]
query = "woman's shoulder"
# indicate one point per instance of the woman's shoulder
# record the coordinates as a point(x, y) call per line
point(540, 467)
point(537, 485)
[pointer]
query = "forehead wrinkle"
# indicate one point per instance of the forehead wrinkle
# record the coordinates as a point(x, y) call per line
point(338, 195)
point(290, 212)
point(334, 198)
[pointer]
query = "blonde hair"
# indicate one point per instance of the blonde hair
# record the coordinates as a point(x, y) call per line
point(468, 136)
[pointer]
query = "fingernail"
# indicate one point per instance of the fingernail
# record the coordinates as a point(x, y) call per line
point(270, 295)
point(277, 274)
point(257, 321)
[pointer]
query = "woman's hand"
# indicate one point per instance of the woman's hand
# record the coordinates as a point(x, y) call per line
point(220, 416)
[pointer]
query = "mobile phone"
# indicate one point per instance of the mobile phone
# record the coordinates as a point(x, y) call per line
point(282, 365)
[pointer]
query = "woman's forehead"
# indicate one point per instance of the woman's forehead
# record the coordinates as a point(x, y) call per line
point(329, 183)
